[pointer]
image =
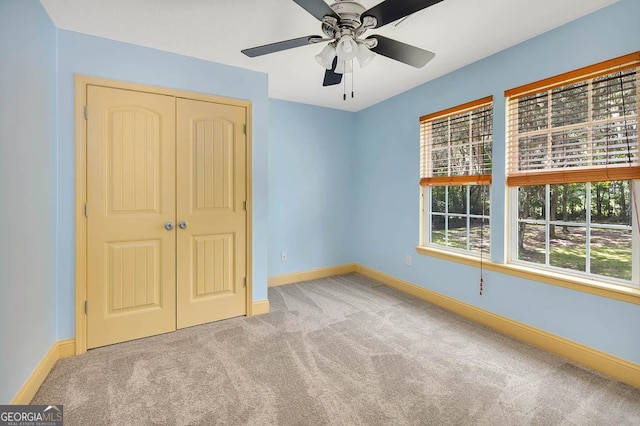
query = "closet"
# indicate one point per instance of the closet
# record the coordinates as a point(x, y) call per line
point(166, 218)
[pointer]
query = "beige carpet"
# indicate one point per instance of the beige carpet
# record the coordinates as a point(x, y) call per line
point(338, 351)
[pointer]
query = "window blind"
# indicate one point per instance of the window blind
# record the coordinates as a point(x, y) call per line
point(576, 127)
point(455, 145)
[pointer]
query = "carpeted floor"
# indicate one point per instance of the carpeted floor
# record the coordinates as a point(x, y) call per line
point(345, 350)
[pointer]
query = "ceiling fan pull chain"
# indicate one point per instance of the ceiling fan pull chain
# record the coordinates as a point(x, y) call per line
point(344, 86)
point(353, 70)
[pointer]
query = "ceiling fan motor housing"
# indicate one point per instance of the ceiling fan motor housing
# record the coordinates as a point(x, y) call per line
point(349, 13)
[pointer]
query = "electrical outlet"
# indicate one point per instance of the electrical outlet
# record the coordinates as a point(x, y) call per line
point(407, 260)
point(283, 256)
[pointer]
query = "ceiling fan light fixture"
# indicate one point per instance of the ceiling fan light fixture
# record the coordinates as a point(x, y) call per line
point(343, 67)
point(325, 57)
point(347, 48)
point(365, 56)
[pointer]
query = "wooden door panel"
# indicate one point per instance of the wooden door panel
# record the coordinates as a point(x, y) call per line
point(130, 196)
point(133, 155)
point(213, 177)
point(133, 276)
point(212, 266)
point(211, 185)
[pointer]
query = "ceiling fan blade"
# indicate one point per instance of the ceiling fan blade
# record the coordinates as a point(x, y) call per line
point(330, 76)
point(391, 10)
point(317, 8)
point(402, 52)
point(281, 45)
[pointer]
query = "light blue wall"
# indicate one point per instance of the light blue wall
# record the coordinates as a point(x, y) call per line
point(386, 184)
point(27, 191)
point(87, 55)
point(311, 160)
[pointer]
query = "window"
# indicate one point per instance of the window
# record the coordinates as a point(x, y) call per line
point(455, 176)
point(573, 167)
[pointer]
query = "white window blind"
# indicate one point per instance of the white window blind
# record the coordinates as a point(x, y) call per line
point(577, 127)
point(455, 144)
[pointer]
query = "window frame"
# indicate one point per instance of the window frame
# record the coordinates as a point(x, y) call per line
point(427, 181)
point(426, 216)
point(549, 176)
point(512, 252)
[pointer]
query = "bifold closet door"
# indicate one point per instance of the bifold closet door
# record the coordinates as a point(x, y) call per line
point(131, 211)
point(211, 212)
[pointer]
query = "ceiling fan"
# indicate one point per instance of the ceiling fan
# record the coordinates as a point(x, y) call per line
point(344, 24)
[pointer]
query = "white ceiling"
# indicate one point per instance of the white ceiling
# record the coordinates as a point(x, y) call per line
point(458, 31)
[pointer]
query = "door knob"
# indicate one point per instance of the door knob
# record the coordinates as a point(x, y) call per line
point(182, 224)
point(168, 226)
